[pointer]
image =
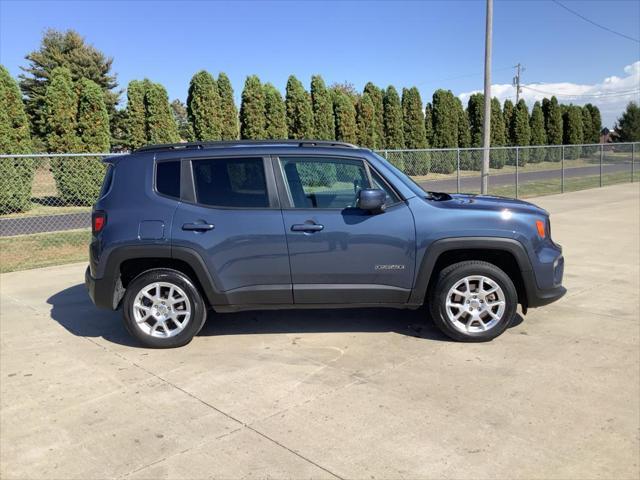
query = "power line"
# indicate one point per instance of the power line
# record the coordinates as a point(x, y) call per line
point(594, 23)
point(597, 95)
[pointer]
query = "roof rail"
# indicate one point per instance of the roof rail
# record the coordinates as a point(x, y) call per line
point(243, 143)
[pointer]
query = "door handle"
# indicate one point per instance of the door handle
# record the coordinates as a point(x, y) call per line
point(306, 227)
point(198, 227)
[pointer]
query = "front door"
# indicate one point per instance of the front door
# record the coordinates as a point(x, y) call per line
point(235, 224)
point(337, 252)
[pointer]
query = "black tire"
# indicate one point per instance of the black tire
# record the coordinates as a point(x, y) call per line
point(451, 275)
point(174, 277)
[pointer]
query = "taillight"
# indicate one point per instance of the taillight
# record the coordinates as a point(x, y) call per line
point(98, 221)
point(540, 227)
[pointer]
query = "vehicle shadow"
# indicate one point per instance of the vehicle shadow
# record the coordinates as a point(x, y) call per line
point(73, 309)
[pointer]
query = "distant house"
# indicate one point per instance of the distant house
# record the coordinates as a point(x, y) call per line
point(606, 135)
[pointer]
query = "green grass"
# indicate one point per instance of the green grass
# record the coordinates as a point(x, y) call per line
point(43, 249)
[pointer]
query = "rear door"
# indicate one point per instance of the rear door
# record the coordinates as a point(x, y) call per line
point(233, 220)
point(339, 253)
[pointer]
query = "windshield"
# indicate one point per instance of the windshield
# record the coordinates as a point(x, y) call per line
point(409, 182)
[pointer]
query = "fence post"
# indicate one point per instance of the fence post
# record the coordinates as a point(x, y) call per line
point(562, 171)
point(601, 160)
point(458, 172)
point(633, 154)
point(517, 162)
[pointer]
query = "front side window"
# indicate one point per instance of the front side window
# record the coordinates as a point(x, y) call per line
point(324, 182)
point(231, 182)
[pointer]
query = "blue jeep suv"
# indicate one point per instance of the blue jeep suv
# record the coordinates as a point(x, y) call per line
point(182, 229)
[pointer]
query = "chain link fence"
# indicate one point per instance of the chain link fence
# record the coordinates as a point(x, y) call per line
point(45, 199)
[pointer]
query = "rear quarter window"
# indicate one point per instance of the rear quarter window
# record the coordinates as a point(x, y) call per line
point(108, 180)
point(168, 178)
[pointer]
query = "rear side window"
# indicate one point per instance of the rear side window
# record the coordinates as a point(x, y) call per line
point(108, 180)
point(168, 178)
point(231, 182)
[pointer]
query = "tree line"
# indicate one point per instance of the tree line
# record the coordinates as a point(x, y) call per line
point(66, 100)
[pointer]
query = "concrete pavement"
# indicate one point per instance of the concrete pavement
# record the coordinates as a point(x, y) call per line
point(336, 394)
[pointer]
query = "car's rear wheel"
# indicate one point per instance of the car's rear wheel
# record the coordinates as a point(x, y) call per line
point(473, 301)
point(163, 309)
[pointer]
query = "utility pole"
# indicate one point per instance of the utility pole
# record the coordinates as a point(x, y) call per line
point(486, 128)
point(516, 81)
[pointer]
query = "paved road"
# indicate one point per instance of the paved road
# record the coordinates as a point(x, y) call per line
point(44, 223)
point(335, 394)
point(472, 184)
point(72, 221)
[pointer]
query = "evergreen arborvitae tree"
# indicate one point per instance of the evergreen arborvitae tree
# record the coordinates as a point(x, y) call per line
point(393, 126)
point(587, 131)
point(181, 118)
point(467, 158)
point(275, 113)
point(366, 121)
point(521, 130)
point(572, 131)
point(252, 112)
point(415, 136)
point(475, 111)
point(377, 96)
point(498, 156)
point(345, 117)
point(445, 128)
point(322, 106)
point(299, 113)
point(507, 113)
point(136, 114)
point(445, 121)
point(93, 118)
point(428, 123)
point(61, 111)
point(16, 174)
point(593, 135)
point(413, 119)
point(161, 127)
point(228, 110)
point(553, 127)
point(203, 107)
point(82, 177)
point(627, 127)
point(64, 49)
point(538, 134)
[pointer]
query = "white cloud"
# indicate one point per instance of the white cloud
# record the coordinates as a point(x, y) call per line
point(609, 95)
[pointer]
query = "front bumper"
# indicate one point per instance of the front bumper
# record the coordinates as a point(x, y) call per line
point(538, 297)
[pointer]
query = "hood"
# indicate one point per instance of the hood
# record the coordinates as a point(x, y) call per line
point(489, 202)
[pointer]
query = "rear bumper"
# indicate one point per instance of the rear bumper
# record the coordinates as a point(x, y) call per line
point(100, 291)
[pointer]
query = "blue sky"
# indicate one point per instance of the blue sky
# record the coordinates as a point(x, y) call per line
point(423, 43)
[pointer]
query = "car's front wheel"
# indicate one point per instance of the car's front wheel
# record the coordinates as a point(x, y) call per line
point(163, 309)
point(473, 301)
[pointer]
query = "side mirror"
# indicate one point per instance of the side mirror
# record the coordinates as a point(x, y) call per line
point(372, 199)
